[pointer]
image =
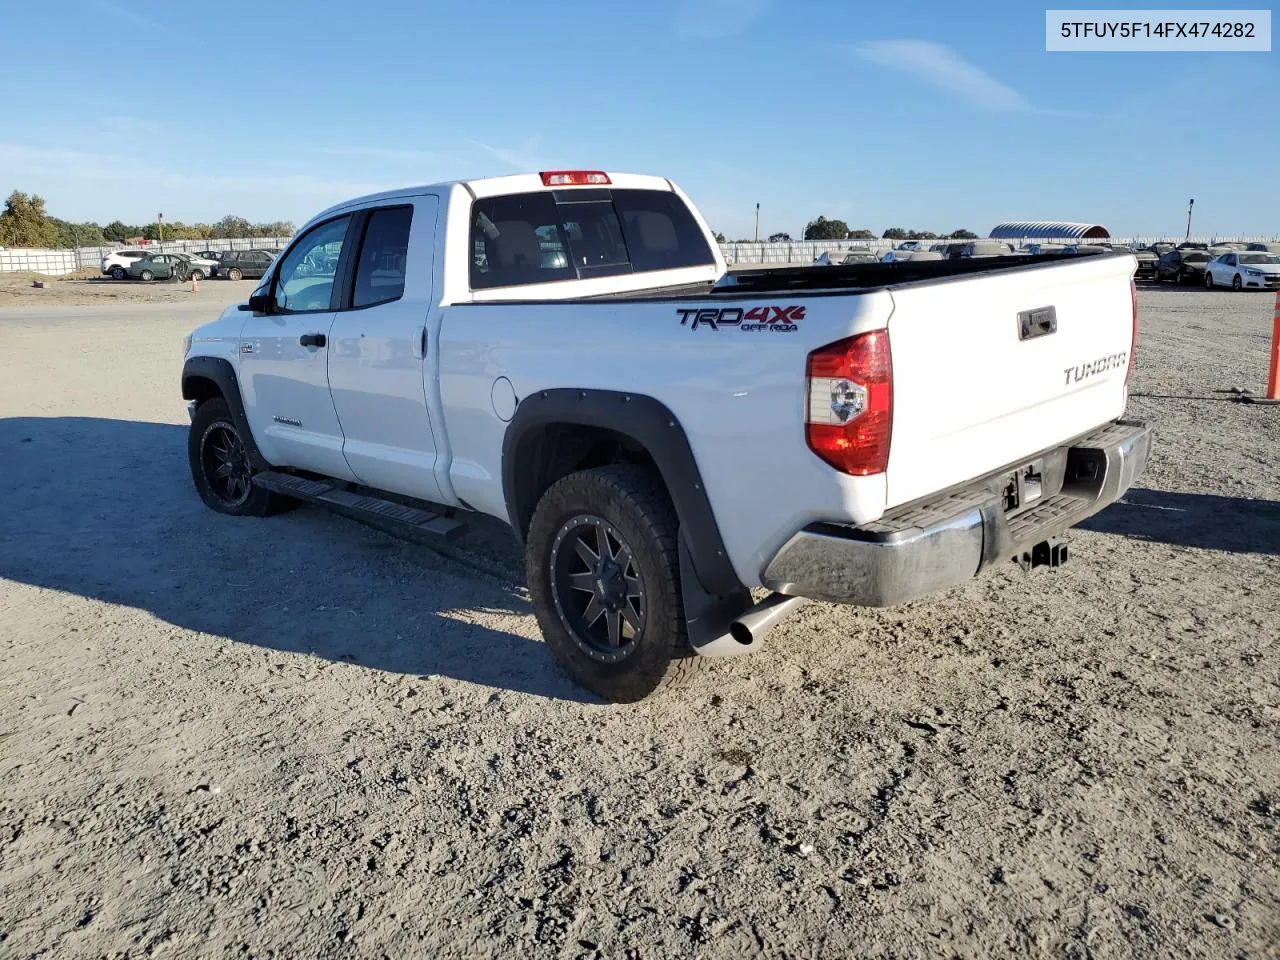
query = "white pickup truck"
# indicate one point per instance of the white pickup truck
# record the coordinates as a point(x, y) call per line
point(567, 352)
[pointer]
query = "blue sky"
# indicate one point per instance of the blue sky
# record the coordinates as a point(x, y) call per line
point(933, 115)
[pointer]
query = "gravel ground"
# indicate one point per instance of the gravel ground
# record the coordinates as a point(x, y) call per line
point(17, 292)
point(297, 737)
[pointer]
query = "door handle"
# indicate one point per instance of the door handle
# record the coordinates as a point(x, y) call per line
point(313, 340)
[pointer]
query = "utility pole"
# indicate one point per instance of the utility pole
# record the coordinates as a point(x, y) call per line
point(757, 223)
point(160, 225)
point(1191, 203)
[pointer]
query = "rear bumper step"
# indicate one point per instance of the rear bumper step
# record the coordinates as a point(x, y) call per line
point(397, 519)
point(936, 544)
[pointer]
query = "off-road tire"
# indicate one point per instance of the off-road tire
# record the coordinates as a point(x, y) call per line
point(632, 500)
point(213, 417)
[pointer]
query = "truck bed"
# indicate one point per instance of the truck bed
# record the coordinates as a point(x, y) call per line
point(840, 279)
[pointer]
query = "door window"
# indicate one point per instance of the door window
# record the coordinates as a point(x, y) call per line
point(304, 282)
point(380, 268)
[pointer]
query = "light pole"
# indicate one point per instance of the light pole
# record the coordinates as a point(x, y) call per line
point(1190, 203)
point(160, 226)
point(757, 223)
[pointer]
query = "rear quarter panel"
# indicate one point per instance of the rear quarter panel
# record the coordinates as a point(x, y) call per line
point(738, 394)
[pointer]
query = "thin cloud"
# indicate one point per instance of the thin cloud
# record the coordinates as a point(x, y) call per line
point(85, 166)
point(136, 19)
point(941, 67)
point(524, 158)
point(391, 154)
point(717, 19)
point(131, 126)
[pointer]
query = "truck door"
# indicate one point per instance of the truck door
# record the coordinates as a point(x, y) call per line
point(284, 358)
point(378, 347)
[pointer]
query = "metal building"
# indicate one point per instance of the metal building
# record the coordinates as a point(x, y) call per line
point(1048, 230)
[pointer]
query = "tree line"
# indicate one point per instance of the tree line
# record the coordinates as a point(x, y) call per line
point(24, 222)
point(824, 229)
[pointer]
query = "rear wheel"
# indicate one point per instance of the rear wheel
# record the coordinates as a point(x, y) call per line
point(220, 465)
point(197, 274)
point(118, 273)
point(603, 572)
point(1208, 280)
point(1236, 285)
point(146, 275)
point(234, 274)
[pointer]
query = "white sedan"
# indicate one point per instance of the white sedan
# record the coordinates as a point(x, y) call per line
point(1244, 270)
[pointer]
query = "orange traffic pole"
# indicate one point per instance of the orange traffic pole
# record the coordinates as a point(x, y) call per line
point(1273, 378)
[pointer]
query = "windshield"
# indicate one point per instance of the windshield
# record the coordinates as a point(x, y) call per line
point(1260, 258)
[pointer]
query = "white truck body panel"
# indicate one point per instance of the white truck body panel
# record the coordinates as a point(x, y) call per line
point(969, 396)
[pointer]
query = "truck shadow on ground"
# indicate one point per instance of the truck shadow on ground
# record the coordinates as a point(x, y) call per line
point(105, 509)
point(1205, 521)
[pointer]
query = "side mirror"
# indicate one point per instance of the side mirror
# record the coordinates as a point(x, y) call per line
point(259, 303)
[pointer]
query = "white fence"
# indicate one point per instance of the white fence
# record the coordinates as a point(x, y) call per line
point(55, 263)
point(806, 251)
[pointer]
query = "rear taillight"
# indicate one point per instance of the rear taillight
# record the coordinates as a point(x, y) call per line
point(1133, 339)
point(574, 178)
point(849, 418)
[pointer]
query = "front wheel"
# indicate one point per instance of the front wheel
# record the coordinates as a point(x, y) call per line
point(234, 274)
point(601, 559)
point(1208, 280)
point(220, 465)
point(118, 273)
point(146, 275)
point(1236, 285)
point(197, 275)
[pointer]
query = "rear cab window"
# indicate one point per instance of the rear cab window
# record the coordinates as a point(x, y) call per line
point(577, 234)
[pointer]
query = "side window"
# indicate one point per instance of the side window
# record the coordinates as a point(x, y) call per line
point(380, 268)
point(304, 281)
point(517, 239)
point(660, 231)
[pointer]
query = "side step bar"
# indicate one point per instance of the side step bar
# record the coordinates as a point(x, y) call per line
point(410, 523)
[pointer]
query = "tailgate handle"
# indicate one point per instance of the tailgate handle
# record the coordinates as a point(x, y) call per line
point(1037, 323)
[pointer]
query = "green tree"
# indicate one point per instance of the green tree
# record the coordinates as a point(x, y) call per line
point(895, 233)
point(824, 229)
point(232, 228)
point(275, 228)
point(118, 232)
point(24, 222)
point(72, 235)
point(962, 235)
point(861, 235)
point(720, 238)
point(924, 235)
point(779, 238)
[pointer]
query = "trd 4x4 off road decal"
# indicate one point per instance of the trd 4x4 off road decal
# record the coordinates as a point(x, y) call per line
point(778, 319)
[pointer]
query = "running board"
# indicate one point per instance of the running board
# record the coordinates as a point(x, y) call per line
point(397, 519)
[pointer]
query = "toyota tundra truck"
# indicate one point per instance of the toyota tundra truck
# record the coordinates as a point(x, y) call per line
point(567, 352)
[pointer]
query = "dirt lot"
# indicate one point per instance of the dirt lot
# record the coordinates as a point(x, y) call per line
point(299, 738)
point(16, 291)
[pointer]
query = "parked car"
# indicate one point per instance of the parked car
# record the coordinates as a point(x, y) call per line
point(911, 245)
point(214, 255)
point(1225, 245)
point(1244, 270)
point(858, 255)
point(1265, 247)
point(1193, 245)
point(197, 267)
point(1147, 261)
point(116, 265)
point(241, 264)
point(1035, 249)
point(876, 478)
point(1182, 266)
point(1160, 248)
point(913, 256)
point(159, 266)
point(986, 248)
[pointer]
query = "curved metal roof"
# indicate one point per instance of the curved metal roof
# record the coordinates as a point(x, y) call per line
point(1048, 230)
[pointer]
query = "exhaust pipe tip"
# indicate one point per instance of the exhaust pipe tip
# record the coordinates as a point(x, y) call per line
point(741, 633)
point(744, 633)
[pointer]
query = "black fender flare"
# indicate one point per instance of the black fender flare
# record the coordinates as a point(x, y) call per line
point(220, 372)
point(645, 420)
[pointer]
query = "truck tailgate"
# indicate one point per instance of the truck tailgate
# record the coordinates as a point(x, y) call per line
point(980, 382)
